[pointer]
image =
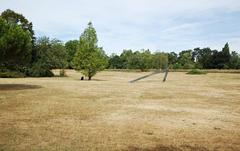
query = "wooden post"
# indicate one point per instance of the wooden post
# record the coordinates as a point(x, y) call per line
point(165, 76)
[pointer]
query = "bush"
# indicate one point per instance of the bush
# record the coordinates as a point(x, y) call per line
point(38, 71)
point(11, 74)
point(196, 71)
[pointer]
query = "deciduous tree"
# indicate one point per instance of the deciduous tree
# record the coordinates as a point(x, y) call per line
point(15, 45)
point(89, 58)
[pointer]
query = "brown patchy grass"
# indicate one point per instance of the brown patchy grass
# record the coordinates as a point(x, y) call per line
point(185, 113)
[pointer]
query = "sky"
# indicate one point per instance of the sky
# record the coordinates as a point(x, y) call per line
point(158, 25)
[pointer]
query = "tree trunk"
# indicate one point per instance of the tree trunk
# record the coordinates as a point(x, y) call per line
point(89, 74)
point(62, 73)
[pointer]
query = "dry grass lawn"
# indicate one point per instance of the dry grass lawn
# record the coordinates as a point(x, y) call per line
point(188, 112)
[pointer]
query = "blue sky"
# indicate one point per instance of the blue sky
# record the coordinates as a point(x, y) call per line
point(169, 25)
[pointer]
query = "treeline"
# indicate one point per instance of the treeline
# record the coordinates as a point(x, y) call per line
point(142, 60)
point(25, 54)
point(204, 58)
point(21, 53)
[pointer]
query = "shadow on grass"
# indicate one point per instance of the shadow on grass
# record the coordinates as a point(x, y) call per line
point(98, 80)
point(9, 87)
point(91, 80)
point(168, 148)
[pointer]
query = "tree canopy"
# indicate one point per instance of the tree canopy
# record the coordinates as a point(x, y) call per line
point(71, 48)
point(18, 19)
point(15, 45)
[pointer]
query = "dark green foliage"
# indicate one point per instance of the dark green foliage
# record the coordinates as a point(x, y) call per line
point(115, 62)
point(18, 19)
point(16, 41)
point(203, 57)
point(221, 59)
point(217, 60)
point(234, 62)
point(39, 71)
point(15, 45)
point(140, 60)
point(186, 59)
point(172, 58)
point(208, 59)
point(125, 56)
point(43, 53)
point(71, 48)
point(59, 54)
point(21, 52)
point(196, 72)
point(160, 60)
point(11, 74)
point(226, 54)
point(136, 61)
point(49, 54)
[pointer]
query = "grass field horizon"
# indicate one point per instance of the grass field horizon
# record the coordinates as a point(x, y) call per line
point(188, 112)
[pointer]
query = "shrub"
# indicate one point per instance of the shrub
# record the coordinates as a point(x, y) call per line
point(11, 74)
point(34, 71)
point(38, 71)
point(196, 71)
